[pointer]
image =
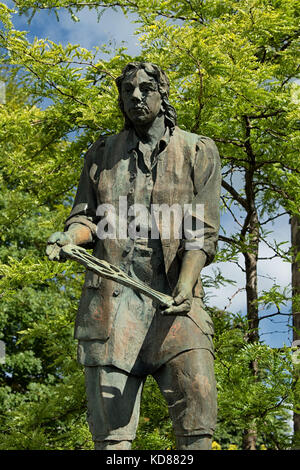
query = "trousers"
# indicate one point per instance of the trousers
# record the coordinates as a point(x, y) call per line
point(187, 382)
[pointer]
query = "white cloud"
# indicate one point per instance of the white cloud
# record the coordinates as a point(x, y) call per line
point(88, 32)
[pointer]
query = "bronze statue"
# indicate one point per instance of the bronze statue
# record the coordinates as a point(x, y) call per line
point(123, 335)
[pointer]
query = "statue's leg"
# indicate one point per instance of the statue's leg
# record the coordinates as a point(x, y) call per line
point(113, 445)
point(113, 399)
point(193, 442)
point(188, 383)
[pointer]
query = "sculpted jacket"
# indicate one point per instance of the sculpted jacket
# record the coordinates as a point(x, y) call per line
point(187, 172)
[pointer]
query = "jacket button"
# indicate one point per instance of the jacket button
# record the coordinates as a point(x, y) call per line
point(116, 293)
point(127, 250)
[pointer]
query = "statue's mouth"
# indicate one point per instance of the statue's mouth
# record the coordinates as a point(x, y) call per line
point(140, 109)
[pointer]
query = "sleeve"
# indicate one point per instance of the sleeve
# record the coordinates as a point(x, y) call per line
point(203, 215)
point(85, 202)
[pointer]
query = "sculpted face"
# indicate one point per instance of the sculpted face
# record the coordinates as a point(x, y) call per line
point(141, 98)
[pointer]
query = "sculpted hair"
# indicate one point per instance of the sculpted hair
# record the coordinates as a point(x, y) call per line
point(163, 87)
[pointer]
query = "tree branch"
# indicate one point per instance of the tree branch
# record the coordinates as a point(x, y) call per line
point(229, 209)
point(273, 218)
point(229, 141)
point(275, 315)
point(227, 239)
point(235, 194)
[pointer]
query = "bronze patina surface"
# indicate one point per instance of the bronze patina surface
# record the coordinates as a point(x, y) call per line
point(124, 335)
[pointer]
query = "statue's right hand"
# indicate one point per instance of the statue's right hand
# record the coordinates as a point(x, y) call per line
point(54, 244)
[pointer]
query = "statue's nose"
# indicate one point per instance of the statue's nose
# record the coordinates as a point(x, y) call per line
point(137, 95)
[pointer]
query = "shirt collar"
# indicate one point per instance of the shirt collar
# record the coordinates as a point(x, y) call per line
point(164, 141)
point(133, 140)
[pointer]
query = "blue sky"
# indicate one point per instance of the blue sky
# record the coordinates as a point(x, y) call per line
point(88, 32)
point(115, 27)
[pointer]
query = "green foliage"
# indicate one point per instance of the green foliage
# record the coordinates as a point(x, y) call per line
point(264, 399)
point(42, 394)
point(48, 416)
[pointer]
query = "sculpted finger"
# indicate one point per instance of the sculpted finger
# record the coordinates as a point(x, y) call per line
point(49, 249)
point(181, 309)
point(179, 299)
point(53, 252)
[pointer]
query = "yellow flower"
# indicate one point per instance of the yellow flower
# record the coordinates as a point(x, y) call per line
point(263, 447)
point(232, 447)
point(215, 446)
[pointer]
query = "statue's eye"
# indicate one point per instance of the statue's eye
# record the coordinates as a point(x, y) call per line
point(127, 88)
point(148, 87)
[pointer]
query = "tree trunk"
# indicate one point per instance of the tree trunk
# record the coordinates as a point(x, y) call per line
point(251, 293)
point(249, 438)
point(295, 240)
point(251, 228)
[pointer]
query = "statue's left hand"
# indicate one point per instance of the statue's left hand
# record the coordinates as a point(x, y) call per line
point(183, 298)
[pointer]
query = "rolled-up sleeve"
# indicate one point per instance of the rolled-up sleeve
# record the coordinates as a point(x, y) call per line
point(205, 209)
point(85, 202)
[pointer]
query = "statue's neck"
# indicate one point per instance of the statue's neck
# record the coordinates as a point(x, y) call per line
point(153, 132)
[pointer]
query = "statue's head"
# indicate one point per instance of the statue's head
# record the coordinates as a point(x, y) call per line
point(154, 87)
